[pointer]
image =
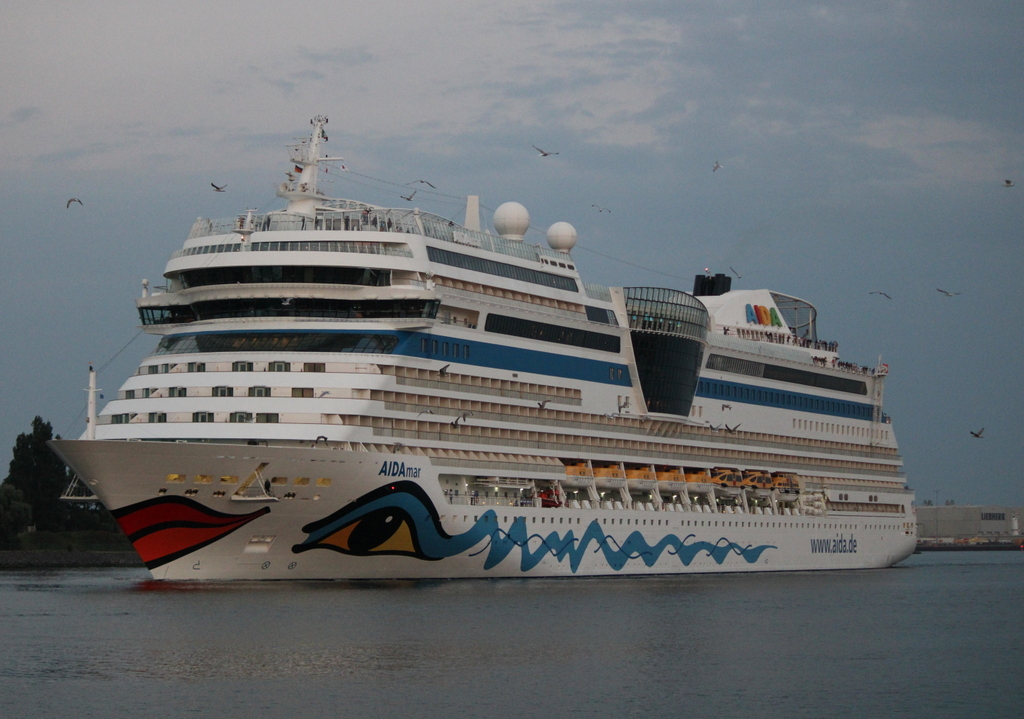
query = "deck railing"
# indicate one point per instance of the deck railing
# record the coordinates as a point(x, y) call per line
point(351, 216)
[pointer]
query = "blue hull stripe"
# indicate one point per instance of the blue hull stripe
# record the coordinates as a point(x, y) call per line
point(487, 354)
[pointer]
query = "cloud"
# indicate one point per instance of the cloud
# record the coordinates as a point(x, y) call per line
point(345, 57)
point(22, 115)
point(71, 154)
point(940, 149)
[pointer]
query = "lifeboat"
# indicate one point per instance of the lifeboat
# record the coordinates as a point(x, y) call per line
point(671, 480)
point(578, 475)
point(609, 476)
point(548, 499)
point(786, 484)
point(757, 479)
point(697, 476)
point(641, 479)
point(725, 477)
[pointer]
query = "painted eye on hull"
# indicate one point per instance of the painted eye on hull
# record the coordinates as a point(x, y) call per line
point(384, 531)
point(379, 522)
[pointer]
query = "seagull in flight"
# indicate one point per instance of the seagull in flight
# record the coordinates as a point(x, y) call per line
point(444, 370)
point(726, 406)
point(73, 199)
point(426, 411)
point(286, 301)
point(948, 294)
point(1008, 183)
point(882, 294)
point(217, 189)
point(424, 182)
point(543, 404)
point(978, 433)
point(542, 152)
point(599, 208)
point(714, 427)
point(732, 430)
point(461, 418)
point(738, 275)
point(716, 167)
point(411, 195)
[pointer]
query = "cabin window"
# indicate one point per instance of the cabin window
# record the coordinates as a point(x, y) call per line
point(528, 329)
point(501, 269)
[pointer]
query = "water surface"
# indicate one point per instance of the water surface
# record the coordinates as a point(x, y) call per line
point(939, 636)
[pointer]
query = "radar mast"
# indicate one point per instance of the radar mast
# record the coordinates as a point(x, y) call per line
point(300, 190)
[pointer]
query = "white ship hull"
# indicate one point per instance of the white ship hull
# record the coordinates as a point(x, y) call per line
point(273, 539)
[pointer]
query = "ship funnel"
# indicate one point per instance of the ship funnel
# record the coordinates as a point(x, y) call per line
point(473, 213)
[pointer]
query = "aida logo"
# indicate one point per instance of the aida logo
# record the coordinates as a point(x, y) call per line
point(758, 315)
point(398, 469)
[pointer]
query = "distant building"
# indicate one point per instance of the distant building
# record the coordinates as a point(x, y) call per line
point(954, 522)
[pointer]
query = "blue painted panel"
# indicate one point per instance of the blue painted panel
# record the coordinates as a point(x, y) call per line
point(716, 389)
point(516, 359)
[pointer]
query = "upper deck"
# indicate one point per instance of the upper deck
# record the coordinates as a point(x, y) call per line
point(352, 216)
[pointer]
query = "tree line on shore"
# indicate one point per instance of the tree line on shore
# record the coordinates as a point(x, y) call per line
point(30, 496)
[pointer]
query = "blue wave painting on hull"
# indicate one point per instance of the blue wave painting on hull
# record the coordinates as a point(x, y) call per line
point(399, 518)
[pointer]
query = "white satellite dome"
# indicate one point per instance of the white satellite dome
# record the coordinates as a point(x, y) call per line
point(562, 236)
point(511, 221)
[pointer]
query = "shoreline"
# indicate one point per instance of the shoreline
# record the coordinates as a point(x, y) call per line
point(57, 559)
point(1000, 547)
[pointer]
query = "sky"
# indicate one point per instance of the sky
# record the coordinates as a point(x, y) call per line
point(863, 146)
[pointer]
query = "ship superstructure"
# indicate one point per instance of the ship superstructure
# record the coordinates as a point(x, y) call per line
point(343, 390)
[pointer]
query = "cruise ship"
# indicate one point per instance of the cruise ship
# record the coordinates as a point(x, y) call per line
point(342, 390)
